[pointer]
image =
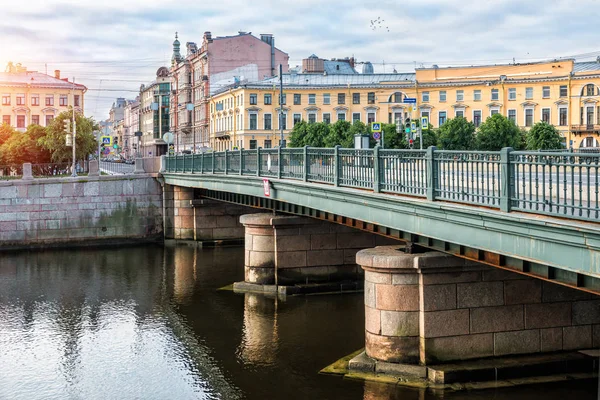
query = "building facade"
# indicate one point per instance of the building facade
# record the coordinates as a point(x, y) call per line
point(218, 63)
point(30, 97)
point(131, 125)
point(563, 93)
point(154, 114)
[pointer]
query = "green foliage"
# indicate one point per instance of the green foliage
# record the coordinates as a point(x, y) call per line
point(298, 134)
point(498, 132)
point(54, 141)
point(457, 134)
point(430, 137)
point(317, 132)
point(393, 139)
point(6, 131)
point(339, 134)
point(23, 147)
point(543, 136)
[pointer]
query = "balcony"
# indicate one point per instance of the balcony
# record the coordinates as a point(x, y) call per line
point(222, 135)
point(583, 129)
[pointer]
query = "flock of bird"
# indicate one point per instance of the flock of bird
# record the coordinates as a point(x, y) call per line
point(379, 24)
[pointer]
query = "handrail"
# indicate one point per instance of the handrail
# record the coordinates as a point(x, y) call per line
point(565, 184)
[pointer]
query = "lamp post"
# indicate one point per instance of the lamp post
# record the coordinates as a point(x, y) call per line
point(74, 174)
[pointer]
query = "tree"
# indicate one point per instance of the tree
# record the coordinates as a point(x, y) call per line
point(316, 134)
point(498, 132)
point(430, 137)
point(339, 134)
point(393, 139)
point(54, 140)
point(23, 147)
point(543, 136)
point(298, 134)
point(457, 134)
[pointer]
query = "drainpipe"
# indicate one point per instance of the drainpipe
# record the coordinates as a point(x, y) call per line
point(272, 56)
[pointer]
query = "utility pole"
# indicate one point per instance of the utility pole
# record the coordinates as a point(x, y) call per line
point(281, 105)
point(160, 120)
point(74, 174)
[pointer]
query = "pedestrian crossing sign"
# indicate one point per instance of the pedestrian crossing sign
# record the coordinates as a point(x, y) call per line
point(376, 126)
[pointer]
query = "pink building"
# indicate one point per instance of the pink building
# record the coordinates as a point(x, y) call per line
point(219, 63)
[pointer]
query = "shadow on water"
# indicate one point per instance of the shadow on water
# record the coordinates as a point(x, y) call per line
point(148, 322)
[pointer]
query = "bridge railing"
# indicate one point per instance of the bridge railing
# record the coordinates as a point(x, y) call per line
point(554, 183)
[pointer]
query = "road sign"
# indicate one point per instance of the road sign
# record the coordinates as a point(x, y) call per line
point(410, 100)
point(376, 126)
point(413, 108)
point(106, 140)
point(376, 135)
point(425, 122)
point(267, 187)
point(413, 126)
point(168, 137)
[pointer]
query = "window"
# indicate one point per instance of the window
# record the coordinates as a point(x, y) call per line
point(512, 94)
point(297, 118)
point(562, 116)
point(564, 91)
point(268, 99)
point(297, 99)
point(529, 93)
point(441, 118)
point(21, 99)
point(312, 118)
point(371, 98)
point(397, 97)
point(49, 119)
point(63, 100)
point(267, 144)
point(76, 100)
point(20, 121)
point(477, 118)
point(495, 94)
point(494, 111)
point(529, 117)
point(459, 113)
point(35, 119)
point(253, 144)
point(253, 121)
point(546, 92)
point(283, 121)
point(6, 119)
point(312, 99)
point(355, 117)
point(355, 98)
point(341, 116)
point(512, 116)
point(284, 99)
point(327, 118)
point(442, 95)
point(35, 99)
point(546, 115)
point(589, 89)
point(326, 98)
point(476, 95)
point(460, 95)
point(425, 97)
point(268, 122)
point(341, 98)
point(6, 99)
point(370, 118)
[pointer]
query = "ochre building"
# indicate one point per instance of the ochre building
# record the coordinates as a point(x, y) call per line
point(564, 93)
point(30, 97)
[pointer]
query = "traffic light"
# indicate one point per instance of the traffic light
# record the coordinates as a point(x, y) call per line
point(67, 125)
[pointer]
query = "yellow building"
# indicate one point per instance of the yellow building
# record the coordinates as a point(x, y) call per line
point(30, 97)
point(563, 93)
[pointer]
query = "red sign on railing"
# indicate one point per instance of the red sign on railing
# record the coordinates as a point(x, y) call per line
point(267, 187)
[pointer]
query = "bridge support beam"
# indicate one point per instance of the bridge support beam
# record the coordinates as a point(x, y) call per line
point(431, 308)
point(286, 250)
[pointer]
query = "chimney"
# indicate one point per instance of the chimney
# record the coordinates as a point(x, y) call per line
point(207, 36)
point(57, 73)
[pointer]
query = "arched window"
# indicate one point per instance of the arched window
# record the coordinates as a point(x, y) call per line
point(396, 97)
point(590, 90)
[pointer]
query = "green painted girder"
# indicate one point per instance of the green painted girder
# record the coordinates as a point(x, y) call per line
point(565, 251)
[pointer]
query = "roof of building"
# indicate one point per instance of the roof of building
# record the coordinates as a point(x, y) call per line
point(34, 79)
point(336, 79)
point(586, 66)
point(342, 67)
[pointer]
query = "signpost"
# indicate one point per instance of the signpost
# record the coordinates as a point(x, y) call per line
point(376, 129)
point(410, 100)
point(267, 187)
point(376, 135)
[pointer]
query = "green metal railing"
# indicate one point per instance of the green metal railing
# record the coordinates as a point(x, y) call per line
point(553, 183)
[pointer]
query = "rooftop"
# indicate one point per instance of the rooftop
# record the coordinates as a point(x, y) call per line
point(36, 79)
point(586, 66)
point(337, 79)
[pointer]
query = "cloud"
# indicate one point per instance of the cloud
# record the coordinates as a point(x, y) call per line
point(119, 44)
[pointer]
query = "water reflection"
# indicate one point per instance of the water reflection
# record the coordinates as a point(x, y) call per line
point(260, 340)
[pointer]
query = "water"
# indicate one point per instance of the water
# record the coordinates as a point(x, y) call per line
point(148, 323)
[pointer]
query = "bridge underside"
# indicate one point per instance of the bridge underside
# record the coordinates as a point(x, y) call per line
point(560, 251)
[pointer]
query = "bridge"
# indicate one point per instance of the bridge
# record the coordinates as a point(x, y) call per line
point(534, 213)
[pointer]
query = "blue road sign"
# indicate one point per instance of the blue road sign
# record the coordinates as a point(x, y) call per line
point(376, 126)
point(376, 135)
point(410, 100)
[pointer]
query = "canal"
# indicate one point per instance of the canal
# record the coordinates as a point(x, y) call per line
point(150, 323)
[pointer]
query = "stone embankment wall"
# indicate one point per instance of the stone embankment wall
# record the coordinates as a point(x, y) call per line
point(85, 210)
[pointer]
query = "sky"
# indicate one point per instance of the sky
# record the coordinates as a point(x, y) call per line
point(113, 46)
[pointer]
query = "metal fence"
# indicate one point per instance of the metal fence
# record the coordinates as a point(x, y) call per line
point(555, 183)
point(11, 171)
point(112, 168)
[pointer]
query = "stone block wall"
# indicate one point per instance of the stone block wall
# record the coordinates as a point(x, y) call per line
point(433, 307)
point(87, 209)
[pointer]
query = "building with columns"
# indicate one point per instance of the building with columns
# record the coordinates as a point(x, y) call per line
point(563, 93)
point(31, 97)
point(219, 62)
point(154, 116)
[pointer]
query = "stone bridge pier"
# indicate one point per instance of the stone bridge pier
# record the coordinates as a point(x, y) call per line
point(293, 254)
point(431, 309)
